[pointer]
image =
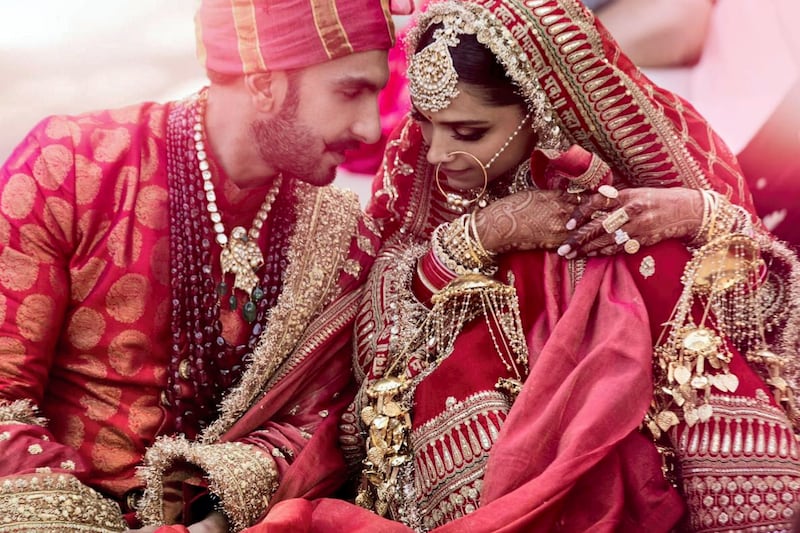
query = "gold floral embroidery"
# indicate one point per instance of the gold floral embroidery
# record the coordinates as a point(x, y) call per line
point(109, 144)
point(88, 176)
point(55, 503)
point(128, 351)
point(60, 127)
point(59, 217)
point(52, 166)
point(128, 298)
point(18, 196)
point(101, 401)
point(35, 242)
point(13, 357)
point(124, 242)
point(242, 476)
point(113, 451)
point(152, 207)
point(34, 317)
point(18, 272)
point(85, 328)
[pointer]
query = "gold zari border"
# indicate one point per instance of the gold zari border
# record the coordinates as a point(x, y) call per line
point(242, 476)
point(55, 503)
point(327, 220)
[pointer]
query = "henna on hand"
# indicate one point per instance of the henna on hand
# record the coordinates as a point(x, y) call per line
point(655, 215)
point(525, 220)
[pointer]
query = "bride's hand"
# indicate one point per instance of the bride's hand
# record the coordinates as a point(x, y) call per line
point(653, 215)
point(525, 220)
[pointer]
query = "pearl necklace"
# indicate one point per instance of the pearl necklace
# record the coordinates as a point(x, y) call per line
point(240, 254)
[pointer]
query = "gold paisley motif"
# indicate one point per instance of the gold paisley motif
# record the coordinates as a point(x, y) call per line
point(127, 298)
point(18, 272)
point(125, 189)
point(126, 115)
point(35, 317)
point(124, 243)
point(84, 279)
point(113, 451)
point(59, 217)
point(109, 144)
point(52, 166)
point(85, 328)
point(145, 416)
point(152, 207)
point(90, 367)
point(101, 402)
point(159, 261)
point(12, 357)
point(18, 197)
point(150, 161)
point(128, 351)
point(3, 307)
point(60, 128)
point(33, 241)
point(88, 176)
point(73, 433)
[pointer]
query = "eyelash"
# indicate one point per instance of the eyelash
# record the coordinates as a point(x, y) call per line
point(468, 137)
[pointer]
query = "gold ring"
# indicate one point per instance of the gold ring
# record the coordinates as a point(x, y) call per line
point(608, 191)
point(615, 220)
point(632, 246)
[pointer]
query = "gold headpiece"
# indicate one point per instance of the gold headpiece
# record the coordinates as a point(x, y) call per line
point(433, 78)
point(431, 74)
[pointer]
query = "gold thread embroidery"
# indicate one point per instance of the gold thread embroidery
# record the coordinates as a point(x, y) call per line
point(241, 475)
point(56, 503)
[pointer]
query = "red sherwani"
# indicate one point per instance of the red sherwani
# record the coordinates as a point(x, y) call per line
point(85, 346)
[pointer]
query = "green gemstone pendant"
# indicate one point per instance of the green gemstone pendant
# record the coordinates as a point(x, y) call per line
point(249, 311)
point(257, 294)
point(232, 303)
point(222, 288)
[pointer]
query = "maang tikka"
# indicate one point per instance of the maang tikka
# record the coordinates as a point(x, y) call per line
point(432, 76)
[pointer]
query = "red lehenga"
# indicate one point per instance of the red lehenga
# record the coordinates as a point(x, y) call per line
point(568, 454)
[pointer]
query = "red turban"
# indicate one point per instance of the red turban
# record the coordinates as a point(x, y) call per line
point(245, 36)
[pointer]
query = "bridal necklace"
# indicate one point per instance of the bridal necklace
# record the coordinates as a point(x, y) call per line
point(240, 255)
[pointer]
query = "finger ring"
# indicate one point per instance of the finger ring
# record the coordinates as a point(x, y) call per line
point(608, 191)
point(598, 214)
point(615, 220)
point(632, 246)
point(621, 236)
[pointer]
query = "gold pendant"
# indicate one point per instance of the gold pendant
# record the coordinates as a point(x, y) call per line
point(241, 257)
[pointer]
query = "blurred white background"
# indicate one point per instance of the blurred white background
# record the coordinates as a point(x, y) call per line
point(64, 57)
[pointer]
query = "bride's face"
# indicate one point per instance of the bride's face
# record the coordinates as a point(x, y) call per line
point(470, 124)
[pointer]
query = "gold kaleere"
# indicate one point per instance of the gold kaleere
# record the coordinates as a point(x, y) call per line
point(387, 415)
point(722, 277)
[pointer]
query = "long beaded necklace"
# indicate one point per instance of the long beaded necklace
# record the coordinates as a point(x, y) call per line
point(240, 254)
point(203, 365)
